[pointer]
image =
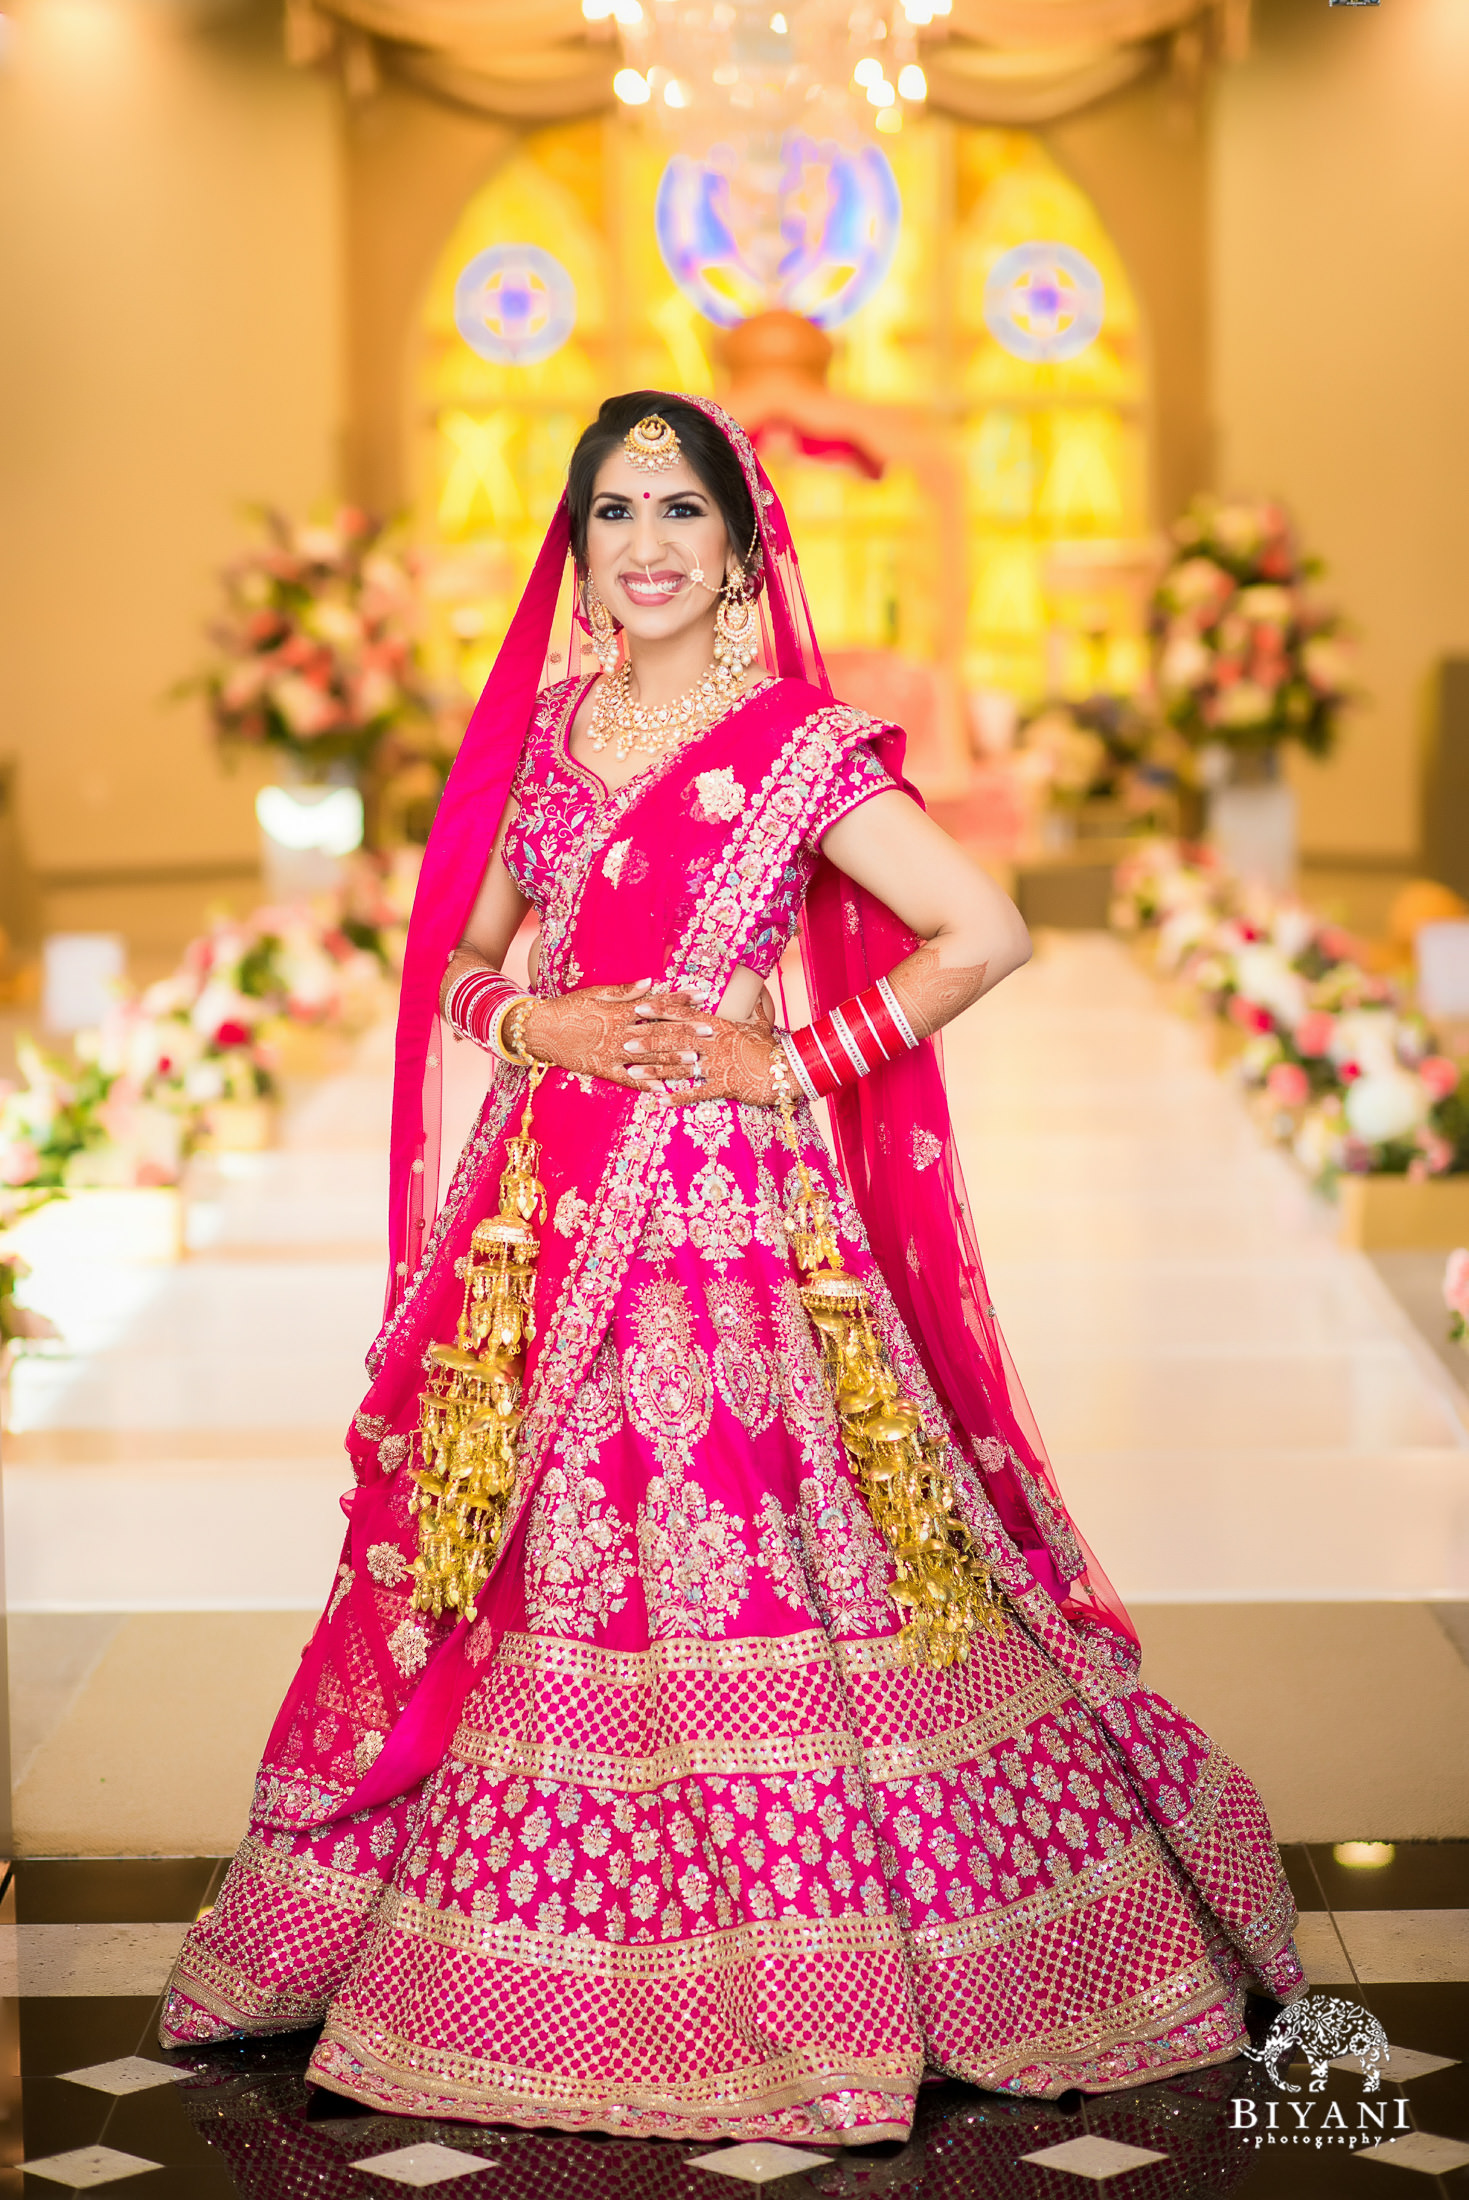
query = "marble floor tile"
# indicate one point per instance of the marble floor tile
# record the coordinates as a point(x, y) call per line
point(1402, 2066)
point(759, 2162)
point(1093, 2158)
point(1400, 1947)
point(87, 1959)
point(85, 2167)
point(1319, 1946)
point(424, 2165)
point(128, 2074)
point(1420, 2150)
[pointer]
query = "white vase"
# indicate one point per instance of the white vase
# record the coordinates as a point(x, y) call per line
point(1253, 824)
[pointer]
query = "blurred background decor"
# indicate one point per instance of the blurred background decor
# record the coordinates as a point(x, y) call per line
point(319, 667)
point(1248, 657)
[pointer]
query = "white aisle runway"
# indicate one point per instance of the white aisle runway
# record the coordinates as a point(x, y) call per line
point(1237, 1409)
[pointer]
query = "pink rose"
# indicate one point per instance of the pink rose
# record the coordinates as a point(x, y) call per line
point(1434, 1156)
point(1314, 1033)
point(1248, 1014)
point(19, 1162)
point(1456, 1284)
point(1288, 1085)
point(1439, 1074)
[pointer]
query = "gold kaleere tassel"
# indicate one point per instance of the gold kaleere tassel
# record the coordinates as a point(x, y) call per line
point(471, 1403)
point(942, 1584)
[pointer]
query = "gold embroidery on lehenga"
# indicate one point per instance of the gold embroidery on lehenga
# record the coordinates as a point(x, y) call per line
point(744, 1371)
point(387, 1565)
point(665, 1376)
point(578, 1553)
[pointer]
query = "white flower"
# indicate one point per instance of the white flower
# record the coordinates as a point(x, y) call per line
point(1246, 703)
point(1318, 1143)
point(1327, 665)
point(1390, 1103)
point(1269, 606)
point(323, 545)
point(1186, 663)
point(1263, 975)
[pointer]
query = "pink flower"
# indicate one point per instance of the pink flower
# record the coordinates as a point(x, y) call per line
point(232, 1034)
point(1439, 1074)
point(19, 1162)
point(1314, 1033)
point(1248, 1014)
point(1349, 1072)
point(1435, 1156)
point(1288, 1085)
point(1456, 1283)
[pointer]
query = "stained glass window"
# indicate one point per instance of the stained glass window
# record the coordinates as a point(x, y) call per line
point(1035, 457)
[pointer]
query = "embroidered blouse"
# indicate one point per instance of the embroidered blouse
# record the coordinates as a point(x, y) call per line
point(560, 799)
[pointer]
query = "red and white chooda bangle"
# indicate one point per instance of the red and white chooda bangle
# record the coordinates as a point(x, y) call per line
point(849, 1042)
point(478, 1005)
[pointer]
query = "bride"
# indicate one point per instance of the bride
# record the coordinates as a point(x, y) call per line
point(717, 1722)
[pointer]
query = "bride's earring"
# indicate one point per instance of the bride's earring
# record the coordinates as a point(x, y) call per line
point(604, 629)
point(736, 629)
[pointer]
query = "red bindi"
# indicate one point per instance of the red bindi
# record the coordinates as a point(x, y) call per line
point(646, 494)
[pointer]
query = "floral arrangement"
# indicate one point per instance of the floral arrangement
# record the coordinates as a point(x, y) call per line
point(150, 1080)
point(319, 658)
point(18, 1324)
point(1102, 748)
point(1456, 1295)
point(52, 1124)
point(212, 1033)
point(1339, 1067)
point(1245, 654)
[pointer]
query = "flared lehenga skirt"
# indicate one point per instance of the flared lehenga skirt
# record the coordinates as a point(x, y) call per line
point(702, 1853)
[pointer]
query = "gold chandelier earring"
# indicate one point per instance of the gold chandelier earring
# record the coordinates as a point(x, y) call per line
point(736, 631)
point(603, 628)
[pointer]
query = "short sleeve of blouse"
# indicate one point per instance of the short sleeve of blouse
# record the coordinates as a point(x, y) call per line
point(857, 778)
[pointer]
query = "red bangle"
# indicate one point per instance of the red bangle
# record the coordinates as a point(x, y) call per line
point(471, 1006)
point(850, 1042)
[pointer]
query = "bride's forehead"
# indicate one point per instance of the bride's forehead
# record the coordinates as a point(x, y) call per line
point(617, 475)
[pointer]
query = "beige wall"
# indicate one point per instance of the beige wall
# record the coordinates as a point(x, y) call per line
point(1340, 220)
point(170, 255)
point(1144, 164)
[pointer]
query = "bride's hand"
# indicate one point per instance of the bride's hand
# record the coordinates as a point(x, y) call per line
point(735, 1060)
point(588, 1032)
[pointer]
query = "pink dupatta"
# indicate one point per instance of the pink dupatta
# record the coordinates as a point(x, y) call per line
point(894, 1133)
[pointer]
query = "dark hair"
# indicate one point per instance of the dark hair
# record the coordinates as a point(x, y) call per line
point(703, 446)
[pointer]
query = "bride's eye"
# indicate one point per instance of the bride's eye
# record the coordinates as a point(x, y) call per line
point(685, 510)
point(615, 511)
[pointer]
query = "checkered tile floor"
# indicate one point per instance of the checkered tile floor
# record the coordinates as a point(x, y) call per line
point(99, 2108)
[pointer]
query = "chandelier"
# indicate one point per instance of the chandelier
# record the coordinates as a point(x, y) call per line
point(715, 70)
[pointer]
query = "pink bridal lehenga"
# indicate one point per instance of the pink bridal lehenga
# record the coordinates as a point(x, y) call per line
point(674, 1840)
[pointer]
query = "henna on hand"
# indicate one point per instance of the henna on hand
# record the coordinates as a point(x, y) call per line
point(585, 1031)
point(736, 1060)
point(931, 996)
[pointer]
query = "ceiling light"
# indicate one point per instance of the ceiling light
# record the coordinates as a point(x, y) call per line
point(628, 12)
point(597, 11)
point(631, 88)
point(889, 120)
point(674, 94)
point(912, 83)
point(780, 26)
point(867, 72)
point(881, 94)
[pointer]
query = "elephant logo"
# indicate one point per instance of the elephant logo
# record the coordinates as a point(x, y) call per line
point(1323, 2030)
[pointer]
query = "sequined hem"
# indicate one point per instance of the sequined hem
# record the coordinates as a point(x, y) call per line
point(842, 2116)
point(1215, 2036)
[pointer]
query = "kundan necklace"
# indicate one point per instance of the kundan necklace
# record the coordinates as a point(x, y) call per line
point(635, 728)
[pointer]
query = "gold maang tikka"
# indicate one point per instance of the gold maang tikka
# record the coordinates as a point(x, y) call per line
point(652, 446)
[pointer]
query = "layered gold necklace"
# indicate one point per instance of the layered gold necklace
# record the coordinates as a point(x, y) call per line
point(652, 729)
